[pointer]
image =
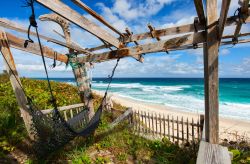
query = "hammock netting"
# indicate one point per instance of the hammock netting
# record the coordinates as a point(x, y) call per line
point(52, 133)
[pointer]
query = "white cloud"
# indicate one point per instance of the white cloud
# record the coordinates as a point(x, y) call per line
point(130, 9)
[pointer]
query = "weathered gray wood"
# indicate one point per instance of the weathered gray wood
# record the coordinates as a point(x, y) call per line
point(244, 12)
point(200, 11)
point(16, 82)
point(64, 108)
point(121, 118)
point(178, 130)
point(76, 18)
point(153, 125)
point(173, 128)
point(160, 121)
point(187, 131)
point(223, 16)
point(160, 46)
point(146, 123)
point(182, 129)
point(192, 129)
point(212, 154)
point(65, 115)
point(211, 75)
point(95, 15)
point(168, 128)
point(164, 125)
point(80, 72)
point(33, 48)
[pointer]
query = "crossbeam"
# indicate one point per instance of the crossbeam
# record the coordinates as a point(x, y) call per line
point(95, 15)
point(177, 30)
point(173, 45)
point(14, 26)
point(17, 43)
point(79, 20)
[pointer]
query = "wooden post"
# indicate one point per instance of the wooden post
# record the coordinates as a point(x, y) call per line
point(81, 71)
point(211, 74)
point(16, 82)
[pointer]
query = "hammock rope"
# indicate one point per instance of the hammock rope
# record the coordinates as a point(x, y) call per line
point(53, 133)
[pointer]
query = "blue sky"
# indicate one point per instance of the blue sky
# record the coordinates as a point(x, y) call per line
point(135, 14)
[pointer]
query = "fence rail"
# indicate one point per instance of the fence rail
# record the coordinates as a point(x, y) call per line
point(69, 112)
point(177, 129)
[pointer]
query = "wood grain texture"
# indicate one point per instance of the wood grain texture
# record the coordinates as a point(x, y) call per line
point(200, 11)
point(71, 15)
point(16, 83)
point(211, 75)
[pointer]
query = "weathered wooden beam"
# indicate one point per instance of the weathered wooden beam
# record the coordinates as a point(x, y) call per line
point(171, 31)
point(33, 48)
point(16, 82)
point(200, 11)
point(76, 18)
point(80, 71)
point(211, 78)
point(97, 16)
point(160, 46)
point(152, 29)
point(14, 26)
point(223, 17)
point(244, 14)
point(121, 118)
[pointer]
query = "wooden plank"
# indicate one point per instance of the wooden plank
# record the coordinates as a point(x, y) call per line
point(146, 123)
point(187, 130)
point(223, 16)
point(244, 12)
point(149, 124)
point(153, 125)
point(14, 26)
point(71, 113)
point(33, 48)
point(212, 154)
point(200, 11)
point(170, 31)
point(16, 83)
point(182, 129)
point(211, 75)
point(198, 129)
point(79, 20)
point(63, 108)
point(160, 121)
point(156, 124)
point(169, 128)
point(160, 46)
point(95, 15)
point(121, 118)
point(80, 72)
point(164, 125)
point(65, 115)
point(177, 130)
point(193, 130)
point(173, 127)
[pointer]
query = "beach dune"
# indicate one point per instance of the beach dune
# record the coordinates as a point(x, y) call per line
point(230, 129)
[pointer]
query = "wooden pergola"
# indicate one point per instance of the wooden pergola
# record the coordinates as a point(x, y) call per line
point(205, 32)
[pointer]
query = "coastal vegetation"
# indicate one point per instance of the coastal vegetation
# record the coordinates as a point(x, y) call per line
point(119, 145)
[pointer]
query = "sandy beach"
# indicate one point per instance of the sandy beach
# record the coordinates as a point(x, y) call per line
point(231, 129)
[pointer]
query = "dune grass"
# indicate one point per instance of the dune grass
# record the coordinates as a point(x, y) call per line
point(120, 145)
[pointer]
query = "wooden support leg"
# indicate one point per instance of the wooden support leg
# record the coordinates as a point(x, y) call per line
point(81, 71)
point(15, 82)
point(211, 75)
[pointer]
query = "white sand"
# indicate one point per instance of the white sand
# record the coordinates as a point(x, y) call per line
point(231, 129)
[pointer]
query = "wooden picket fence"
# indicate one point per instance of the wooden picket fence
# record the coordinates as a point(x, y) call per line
point(176, 129)
point(69, 112)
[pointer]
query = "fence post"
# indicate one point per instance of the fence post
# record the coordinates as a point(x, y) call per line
point(182, 129)
point(177, 130)
point(173, 127)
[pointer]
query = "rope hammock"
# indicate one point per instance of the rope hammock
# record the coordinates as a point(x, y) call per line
point(54, 132)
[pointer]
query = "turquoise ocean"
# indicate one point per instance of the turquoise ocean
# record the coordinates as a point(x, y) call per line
point(185, 93)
